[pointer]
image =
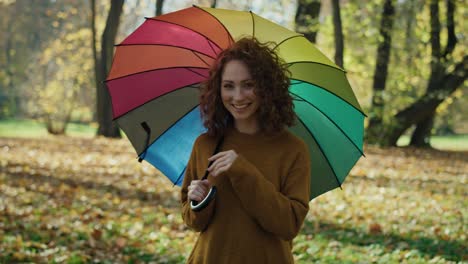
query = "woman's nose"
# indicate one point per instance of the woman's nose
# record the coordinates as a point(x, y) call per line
point(238, 94)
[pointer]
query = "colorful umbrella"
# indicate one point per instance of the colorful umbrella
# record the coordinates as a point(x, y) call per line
point(154, 81)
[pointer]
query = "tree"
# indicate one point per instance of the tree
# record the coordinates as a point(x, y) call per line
point(49, 44)
point(374, 130)
point(7, 96)
point(422, 133)
point(159, 7)
point(307, 18)
point(21, 37)
point(445, 78)
point(338, 32)
point(107, 127)
point(59, 77)
point(97, 77)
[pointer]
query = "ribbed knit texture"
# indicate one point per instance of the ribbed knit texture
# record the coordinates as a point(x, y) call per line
point(261, 202)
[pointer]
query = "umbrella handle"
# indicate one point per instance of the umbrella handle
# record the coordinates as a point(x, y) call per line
point(198, 206)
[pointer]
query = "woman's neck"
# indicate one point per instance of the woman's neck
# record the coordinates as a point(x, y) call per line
point(247, 127)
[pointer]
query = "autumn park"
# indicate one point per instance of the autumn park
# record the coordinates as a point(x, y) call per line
point(72, 189)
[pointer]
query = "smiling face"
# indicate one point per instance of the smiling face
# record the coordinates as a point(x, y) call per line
point(238, 96)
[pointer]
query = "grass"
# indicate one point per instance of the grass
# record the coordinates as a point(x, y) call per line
point(36, 129)
point(87, 200)
point(453, 142)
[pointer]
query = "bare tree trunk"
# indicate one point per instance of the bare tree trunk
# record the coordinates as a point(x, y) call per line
point(422, 133)
point(375, 128)
point(107, 127)
point(10, 66)
point(339, 43)
point(97, 73)
point(159, 7)
point(307, 18)
point(419, 138)
point(425, 106)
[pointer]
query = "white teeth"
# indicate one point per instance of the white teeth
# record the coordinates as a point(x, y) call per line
point(240, 106)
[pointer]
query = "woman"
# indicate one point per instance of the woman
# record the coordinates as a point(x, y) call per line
point(261, 171)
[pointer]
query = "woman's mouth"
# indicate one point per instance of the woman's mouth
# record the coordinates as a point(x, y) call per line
point(240, 106)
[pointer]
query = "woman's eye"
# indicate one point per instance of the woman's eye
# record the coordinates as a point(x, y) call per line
point(250, 85)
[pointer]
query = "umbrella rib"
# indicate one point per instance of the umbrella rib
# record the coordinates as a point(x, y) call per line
point(253, 23)
point(166, 45)
point(136, 73)
point(359, 110)
point(211, 46)
point(230, 38)
point(301, 35)
point(153, 18)
point(206, 63)
point(314, 62)
point(184, 87)
point(321, 150)
point(331, 120)
point(173, 124)
point(188, 69)
point(286, 39)
point(180, 175)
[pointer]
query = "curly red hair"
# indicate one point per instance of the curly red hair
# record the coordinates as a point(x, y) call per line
point(271, 86)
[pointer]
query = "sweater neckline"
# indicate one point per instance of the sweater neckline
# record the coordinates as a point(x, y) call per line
point(258, 137)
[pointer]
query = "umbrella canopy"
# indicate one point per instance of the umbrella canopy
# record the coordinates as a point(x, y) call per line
point(154, 81)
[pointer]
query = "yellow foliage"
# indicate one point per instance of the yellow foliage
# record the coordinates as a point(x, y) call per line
point(68, 65)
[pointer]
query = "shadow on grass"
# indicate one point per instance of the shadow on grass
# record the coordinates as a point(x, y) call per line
point(448, 249)
point(440, 186)
point(37, 238)
point(35, 244)
point(167, 199)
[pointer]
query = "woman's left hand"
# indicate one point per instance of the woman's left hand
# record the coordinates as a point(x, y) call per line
point(222, 161)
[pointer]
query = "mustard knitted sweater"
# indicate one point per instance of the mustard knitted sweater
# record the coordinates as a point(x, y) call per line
point(261, 202)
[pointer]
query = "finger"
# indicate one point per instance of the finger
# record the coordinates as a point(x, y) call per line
point(218, 161)
point(220, 165)
point(220, 170)
point(202, 189)
point(194, 182)
point(206, 183)
point(218, 155)
point(196, 196)
point(213, 164)
point(200, 193)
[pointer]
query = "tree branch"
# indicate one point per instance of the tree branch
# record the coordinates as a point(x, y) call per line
point(339, 45)
point(451, 37)
point(435, 31)
point(449, 84)
point(458, 75)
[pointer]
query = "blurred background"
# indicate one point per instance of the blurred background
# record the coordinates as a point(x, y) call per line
point(51, 63)
point(71, 190)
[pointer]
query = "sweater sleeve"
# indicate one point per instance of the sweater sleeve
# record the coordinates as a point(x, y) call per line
point(198, 221)
point(279, 212)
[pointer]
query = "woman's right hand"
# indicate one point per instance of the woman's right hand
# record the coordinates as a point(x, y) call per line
point(197, 190)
